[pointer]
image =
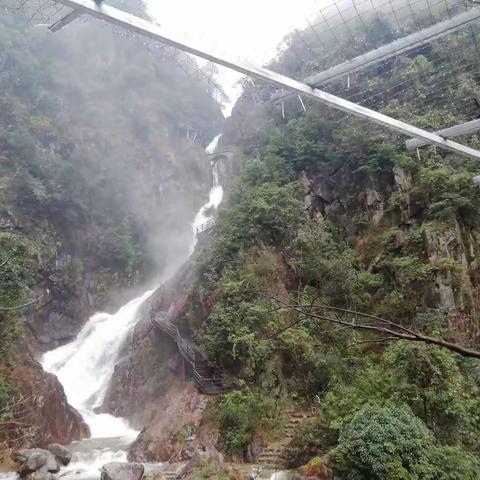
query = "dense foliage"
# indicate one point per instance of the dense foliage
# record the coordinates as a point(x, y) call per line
point(379, 230)
point(388, 443)
point(239, 416)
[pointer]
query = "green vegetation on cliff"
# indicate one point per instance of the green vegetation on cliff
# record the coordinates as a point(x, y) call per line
point(329, 219)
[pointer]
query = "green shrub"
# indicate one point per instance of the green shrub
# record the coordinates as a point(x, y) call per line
point(382, 443)
point(448, 463)
point(240, 414)
point(236, 322)
point(427, 378)
point(324, 260)
point(268, 215)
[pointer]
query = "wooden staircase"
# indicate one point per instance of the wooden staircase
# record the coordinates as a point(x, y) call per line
point(204, 376)
point(275, 454)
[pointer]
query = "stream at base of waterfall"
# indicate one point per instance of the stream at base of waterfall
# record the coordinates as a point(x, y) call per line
point(85, 366)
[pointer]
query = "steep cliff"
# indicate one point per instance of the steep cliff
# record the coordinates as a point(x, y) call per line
point(333, 240)
point(103, 168)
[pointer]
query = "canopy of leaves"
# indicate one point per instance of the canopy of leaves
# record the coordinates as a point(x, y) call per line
point(382, 443)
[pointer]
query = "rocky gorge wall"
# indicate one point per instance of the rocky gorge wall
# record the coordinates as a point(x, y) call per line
point(150, 385)
point(103, 169)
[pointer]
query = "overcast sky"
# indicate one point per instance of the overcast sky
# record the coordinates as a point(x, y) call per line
point(247, 29)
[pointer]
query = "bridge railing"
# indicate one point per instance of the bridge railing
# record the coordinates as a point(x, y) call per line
point(210, 385)
point(206, 226)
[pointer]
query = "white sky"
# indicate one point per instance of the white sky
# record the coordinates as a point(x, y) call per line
point(248, 29)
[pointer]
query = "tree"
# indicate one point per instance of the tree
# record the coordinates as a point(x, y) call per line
point(382, 443)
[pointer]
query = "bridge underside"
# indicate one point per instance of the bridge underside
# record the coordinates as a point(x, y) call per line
point(308, 87)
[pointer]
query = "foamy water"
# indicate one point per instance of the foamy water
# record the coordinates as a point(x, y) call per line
point(207, 212)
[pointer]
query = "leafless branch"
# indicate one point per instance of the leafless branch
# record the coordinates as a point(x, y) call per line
point(19, 307)
point(7, 260)
point(386, 327)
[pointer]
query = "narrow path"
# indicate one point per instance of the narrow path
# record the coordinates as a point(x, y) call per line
point(205, 378)
point(275, 454)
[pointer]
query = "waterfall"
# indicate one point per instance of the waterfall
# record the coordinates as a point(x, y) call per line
point(85, 366)
point(207, 212)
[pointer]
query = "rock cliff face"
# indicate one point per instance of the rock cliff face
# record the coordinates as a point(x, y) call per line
point(331, 197)
point(44, 409)
point(362, 206)
point(165, 438)
point(151, 386)
point(143, 374)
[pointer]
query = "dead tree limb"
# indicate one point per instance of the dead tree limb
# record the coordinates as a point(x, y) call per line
point(7, 260)
point(19, 307)
point(384, 327)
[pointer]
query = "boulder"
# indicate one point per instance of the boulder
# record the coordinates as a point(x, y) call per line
point(122, 471)
point(61, 453)
point(35, 460)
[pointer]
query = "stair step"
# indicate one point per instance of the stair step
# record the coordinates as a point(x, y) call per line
point(186, 346)
point(271, 454)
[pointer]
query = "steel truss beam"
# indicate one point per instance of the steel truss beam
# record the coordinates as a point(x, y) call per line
point(451, 132)
point(395, 48)
point(155, 32)
point(70, 17)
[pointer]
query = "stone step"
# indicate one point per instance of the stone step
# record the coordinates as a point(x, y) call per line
point(271, 461)
point(272, 454)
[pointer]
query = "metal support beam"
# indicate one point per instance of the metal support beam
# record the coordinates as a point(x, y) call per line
point(450, 132)
point(396, 47)
point(155, 32)
point(70, 17)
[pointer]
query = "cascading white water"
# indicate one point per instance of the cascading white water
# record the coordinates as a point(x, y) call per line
point(85, 366)
point(215, 197)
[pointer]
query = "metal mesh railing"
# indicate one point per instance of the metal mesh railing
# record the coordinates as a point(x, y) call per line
point(212, 385)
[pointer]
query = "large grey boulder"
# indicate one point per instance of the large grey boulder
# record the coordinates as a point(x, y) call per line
point(122, 471)
point(61, 453)
point(35, 460)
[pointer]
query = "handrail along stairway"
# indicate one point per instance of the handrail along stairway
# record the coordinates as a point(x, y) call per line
point(201, 370)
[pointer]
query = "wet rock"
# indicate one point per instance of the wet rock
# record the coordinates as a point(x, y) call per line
point(61, 453)
point(122, 471)
point(41, 476)
point(182, 406)
point(55, 420)
point(35, 460)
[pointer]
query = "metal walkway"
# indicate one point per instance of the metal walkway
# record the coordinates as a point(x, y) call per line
point(203, 375)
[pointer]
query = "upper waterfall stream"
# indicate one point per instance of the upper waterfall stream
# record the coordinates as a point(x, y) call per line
point(85, 366)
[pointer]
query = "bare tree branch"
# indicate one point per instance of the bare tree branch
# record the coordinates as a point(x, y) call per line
point(19, 307)
point(7, 260)
point(386, 327)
